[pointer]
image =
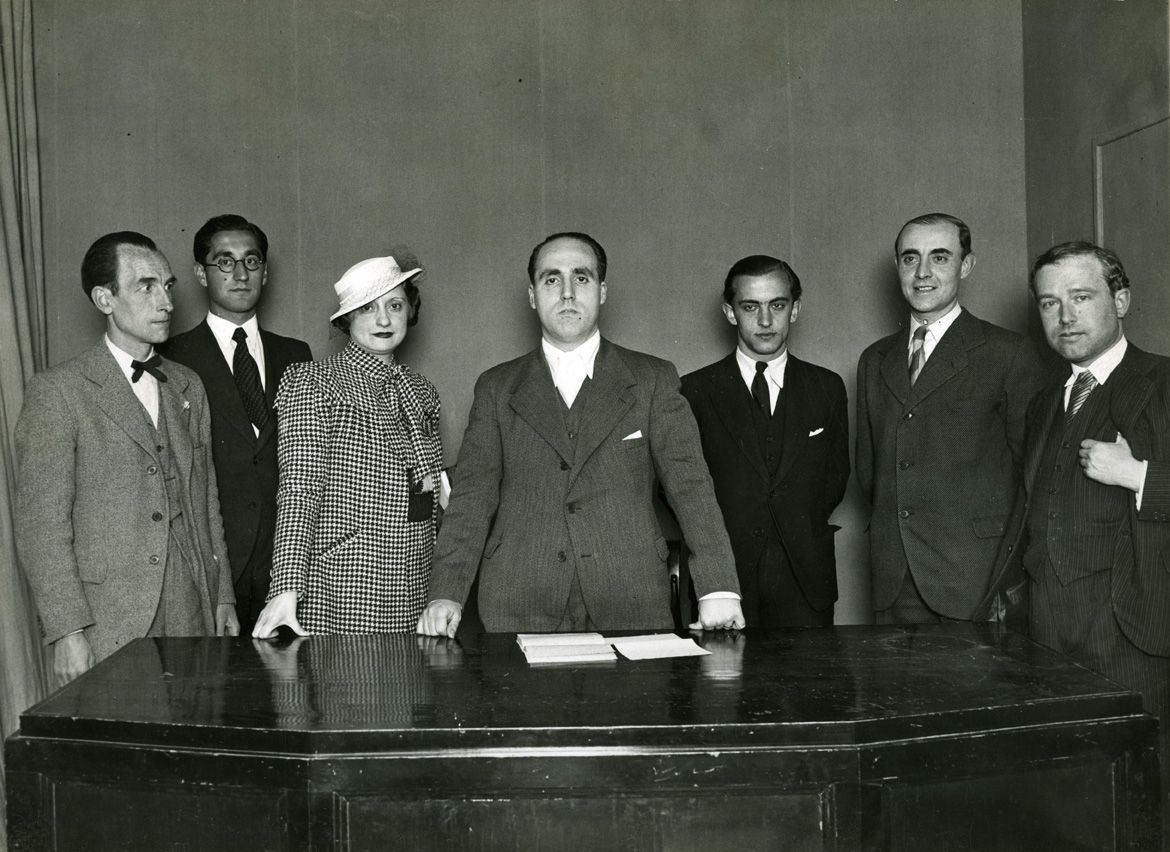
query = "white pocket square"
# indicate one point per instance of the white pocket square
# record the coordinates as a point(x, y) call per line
point(816, 431)
point(633, 435)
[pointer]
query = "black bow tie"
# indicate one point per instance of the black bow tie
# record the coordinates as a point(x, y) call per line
point(150, 365)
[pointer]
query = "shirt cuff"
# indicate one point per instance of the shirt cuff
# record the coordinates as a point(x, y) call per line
point(1142, 489)
point(720, 596)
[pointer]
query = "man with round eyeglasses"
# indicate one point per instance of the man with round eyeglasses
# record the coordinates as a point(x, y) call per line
point(240, 365)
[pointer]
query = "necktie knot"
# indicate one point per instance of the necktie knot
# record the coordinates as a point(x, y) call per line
point(920, 333)
point(239, 335)
point(760, 391)
point(761, 366)
point(150, 365)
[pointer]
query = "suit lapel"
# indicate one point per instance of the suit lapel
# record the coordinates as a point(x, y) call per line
point(609, 400)
point(1046, 406)
point(116, 398)
point(221, 384)
point(1129, 389)
point(175, 406)
point(535, 401)
point(948, 359)
point(796, 411)
point(274, 365)
point(733, 406)
point(895, 368)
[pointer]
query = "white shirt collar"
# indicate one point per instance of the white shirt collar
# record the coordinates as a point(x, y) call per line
point(124, 359)
point(934, 330)
point(1105, 364)
point(224, 329)
point(774, 372)
point(584, 355)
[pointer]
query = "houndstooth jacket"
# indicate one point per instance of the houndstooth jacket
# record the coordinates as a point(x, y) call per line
point(351, 538)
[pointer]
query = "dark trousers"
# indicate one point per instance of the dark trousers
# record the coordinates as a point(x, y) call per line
point(909, 607)
point(772, 596)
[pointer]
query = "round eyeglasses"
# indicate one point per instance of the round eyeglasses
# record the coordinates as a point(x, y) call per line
point(226, 264)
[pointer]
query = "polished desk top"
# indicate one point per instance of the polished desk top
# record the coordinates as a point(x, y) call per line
point(346, 694)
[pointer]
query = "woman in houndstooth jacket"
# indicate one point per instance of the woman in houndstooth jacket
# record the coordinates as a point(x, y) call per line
point(360, 459)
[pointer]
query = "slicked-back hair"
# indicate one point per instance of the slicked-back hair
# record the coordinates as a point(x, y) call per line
point(1111, 269)
point(756, 265)
point(99, 268)
point(226, 222)
point(598, 252)
point(940, 219)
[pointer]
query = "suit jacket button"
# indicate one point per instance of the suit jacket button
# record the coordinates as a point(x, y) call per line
point(154, 560)
point(904, 514)
point(561, 556)
point(152, 470)
point(157, 516)
point(571, 507)
point(565, 465)
point(909, 415)
point(904, 465)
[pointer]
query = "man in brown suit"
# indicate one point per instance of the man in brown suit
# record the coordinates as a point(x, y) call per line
point(940, 433)
point(117, 514)
point(552, 498)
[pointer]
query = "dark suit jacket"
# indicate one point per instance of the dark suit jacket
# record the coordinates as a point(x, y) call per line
point(544, 509)
point(811, 478)
point(245, 464)
point(1139, 409)
point(91, 500)
point(940, 462)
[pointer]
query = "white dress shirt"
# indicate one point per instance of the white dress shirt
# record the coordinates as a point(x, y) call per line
point(934, 332)
point(146, 388)
point(773, 375)
point(569, 369)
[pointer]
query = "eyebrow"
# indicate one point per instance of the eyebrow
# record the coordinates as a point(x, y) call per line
point(910, 251)
point(226, 253)
point(578, 270)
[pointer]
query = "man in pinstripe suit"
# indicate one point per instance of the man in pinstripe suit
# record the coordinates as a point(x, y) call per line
point(1093, 529)
point(552, 498)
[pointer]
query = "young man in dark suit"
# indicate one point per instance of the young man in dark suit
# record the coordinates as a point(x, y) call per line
point(940, 433)
point(552, 501)
point(1092, 528)
point(775, 434)
point(240, 365)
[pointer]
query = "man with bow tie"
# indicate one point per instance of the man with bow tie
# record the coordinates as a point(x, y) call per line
point(775, 432)
point(117, 512)
point(552, 501)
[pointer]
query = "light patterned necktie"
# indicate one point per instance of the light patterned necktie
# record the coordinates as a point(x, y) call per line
point(1081, 389)
point(917, 353)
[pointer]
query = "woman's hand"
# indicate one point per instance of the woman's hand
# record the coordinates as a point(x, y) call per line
point(282, 609)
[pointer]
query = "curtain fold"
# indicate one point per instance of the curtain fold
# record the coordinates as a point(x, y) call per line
point(23, 350)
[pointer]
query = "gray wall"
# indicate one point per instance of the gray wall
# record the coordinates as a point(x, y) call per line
point(1091, 71)
point(683, 134)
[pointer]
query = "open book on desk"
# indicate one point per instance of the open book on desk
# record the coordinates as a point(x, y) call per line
point(565, 647)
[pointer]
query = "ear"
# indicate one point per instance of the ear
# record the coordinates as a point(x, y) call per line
point(602, 289)
point(101, 298)
point(795, 311)
point(729, 312)
point(201, 274)
point(966, 266)
point(1121, 302)
point(531, 297)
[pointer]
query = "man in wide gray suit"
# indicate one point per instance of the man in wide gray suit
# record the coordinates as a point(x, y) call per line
point(553, 496)
point(117, 514)
point(940, 434)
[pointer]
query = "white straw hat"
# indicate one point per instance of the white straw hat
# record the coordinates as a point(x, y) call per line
point(367, 280)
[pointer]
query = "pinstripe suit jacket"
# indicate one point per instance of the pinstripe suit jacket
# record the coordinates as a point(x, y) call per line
point(940, 462)
point(91, 504)
point(527, 509)
point(1139, 409)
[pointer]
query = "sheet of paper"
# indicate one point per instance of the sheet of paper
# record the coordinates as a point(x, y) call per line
point(657, 646)
point(565, 648)
point(535, 640)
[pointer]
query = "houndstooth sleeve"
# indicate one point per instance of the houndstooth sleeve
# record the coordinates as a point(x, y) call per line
point(302, 422)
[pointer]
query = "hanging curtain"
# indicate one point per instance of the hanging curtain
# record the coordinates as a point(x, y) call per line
point(23, 349)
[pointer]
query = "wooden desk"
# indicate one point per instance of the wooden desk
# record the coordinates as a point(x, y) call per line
point(923, 737)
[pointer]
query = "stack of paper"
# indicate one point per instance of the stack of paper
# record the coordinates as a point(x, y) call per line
point(657, 646)
point(565, 647)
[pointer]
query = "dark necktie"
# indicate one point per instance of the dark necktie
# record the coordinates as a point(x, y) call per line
point(917, 353)
point(1081, 389)
point(760, 388)
point(248, 380)
point(150, 365)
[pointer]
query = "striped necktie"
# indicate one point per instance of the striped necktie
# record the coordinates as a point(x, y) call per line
point(1081, 389)
point(917, 353)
